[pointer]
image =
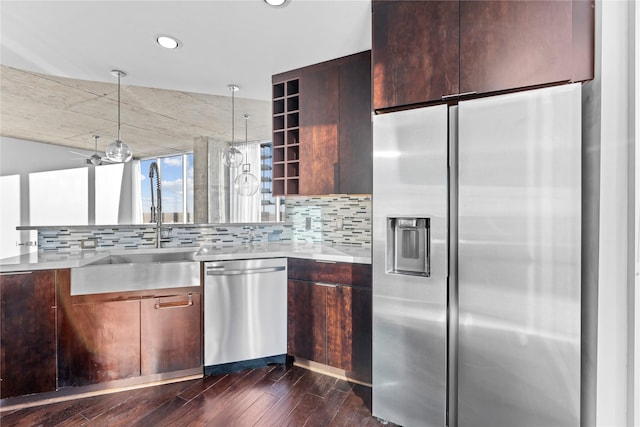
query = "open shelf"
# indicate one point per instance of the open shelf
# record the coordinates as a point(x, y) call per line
point(286, 137)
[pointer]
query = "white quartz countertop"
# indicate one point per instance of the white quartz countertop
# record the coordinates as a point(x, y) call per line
point(320, 252)
point(54, 260)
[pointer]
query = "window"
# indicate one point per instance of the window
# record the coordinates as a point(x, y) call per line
point(108, 193)
point(176, 188)
point(59, 197)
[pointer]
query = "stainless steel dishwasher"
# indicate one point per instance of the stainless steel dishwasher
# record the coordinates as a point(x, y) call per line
point(245, 313)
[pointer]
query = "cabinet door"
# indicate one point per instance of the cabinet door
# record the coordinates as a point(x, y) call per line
point(349, 330)
point(355, 136)
point(306, 320)
point(171, 334)
point(318, 131)
point(414, 51)
point(27, 333)
point(98, 342)
point(513, 44)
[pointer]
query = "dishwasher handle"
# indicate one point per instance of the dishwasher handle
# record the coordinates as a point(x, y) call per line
point(220, 271)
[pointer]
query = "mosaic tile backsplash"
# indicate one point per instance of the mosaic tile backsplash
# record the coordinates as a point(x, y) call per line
point(339, 219)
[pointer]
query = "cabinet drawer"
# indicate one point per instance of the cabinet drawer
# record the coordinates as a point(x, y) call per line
point(342, 273)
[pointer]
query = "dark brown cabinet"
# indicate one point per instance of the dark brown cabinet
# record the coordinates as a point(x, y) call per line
point(171, 338)
point(355, 132)
point(98, 338)
point(414, 51)
point(512, 44)
point(427, 51)
point(116, 336)
point(322, 138)
point(349, 329)
point(319, 130)
point(27, 333)
point(329, 315)
point(307, 320)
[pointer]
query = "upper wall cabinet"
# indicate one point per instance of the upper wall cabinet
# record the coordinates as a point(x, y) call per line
point(414, 51)
point(429, 51)
point(322, 138)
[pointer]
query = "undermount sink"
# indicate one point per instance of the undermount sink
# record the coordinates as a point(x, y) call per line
point(136, 272)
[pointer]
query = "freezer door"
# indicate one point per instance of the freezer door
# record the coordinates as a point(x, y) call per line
point(519, 259)
point(409, 295)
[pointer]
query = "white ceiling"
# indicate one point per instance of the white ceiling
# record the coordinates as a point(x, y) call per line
point(242, 42)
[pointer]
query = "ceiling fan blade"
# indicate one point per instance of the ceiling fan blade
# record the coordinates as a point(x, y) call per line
point(80, 154)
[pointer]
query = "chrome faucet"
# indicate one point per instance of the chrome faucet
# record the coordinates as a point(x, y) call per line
point(156, 213)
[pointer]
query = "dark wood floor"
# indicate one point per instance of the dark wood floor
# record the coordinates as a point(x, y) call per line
point(272, 396)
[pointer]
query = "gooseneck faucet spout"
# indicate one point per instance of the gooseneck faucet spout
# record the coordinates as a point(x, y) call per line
point(156, 213)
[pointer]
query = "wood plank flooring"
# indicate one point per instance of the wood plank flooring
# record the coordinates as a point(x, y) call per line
point(271, 396)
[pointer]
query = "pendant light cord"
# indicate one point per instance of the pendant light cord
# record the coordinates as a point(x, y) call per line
point(119, 74)
point(246, 137)
point(233, 116)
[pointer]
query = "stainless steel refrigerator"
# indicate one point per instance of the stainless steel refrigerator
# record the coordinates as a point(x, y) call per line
point(476, 262)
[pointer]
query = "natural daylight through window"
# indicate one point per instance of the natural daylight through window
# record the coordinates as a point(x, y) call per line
point(177, 188)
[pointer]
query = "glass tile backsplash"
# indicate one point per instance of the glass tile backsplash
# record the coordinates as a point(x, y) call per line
point(336, 219)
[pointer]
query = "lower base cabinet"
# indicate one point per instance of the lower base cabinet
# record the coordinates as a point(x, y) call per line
point(307, 320)
point(171, 338)
point(99, 342)
point(27, 333)
point(329, 315)
point(107, 337)
point(349, 329)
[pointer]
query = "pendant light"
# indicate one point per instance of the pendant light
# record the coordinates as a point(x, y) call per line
point(232, 157)
point(95, 159)
point(118, 151)
point(246, 184)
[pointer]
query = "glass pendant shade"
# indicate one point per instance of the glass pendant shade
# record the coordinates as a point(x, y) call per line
point(95, 160)
point(232, 157)
point(118, 151)
point(246, 184)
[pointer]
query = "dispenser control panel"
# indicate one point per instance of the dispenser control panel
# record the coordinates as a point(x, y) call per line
point(408, 244)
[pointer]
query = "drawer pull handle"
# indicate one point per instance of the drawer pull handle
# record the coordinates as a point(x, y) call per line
point(175, 304)
point(15, 273)
point(222, 272)
point(326, 285)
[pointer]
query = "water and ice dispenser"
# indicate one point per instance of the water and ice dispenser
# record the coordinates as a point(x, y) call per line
point(408, 246)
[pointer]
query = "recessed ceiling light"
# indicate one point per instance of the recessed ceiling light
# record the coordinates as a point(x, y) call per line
point(168, 42)
point(277, 3)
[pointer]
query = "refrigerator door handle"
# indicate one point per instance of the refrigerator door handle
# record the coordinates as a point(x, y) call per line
point(457, 95)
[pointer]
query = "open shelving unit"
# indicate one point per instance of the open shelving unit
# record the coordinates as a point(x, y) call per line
point(286, 137)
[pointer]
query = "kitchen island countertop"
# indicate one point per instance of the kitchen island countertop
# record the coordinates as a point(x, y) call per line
point(316, 251)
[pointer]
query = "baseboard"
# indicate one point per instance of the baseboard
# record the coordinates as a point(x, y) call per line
point(80, 392)
point(329, 370)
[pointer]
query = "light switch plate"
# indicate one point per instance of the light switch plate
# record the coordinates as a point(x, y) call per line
point(89, 243)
